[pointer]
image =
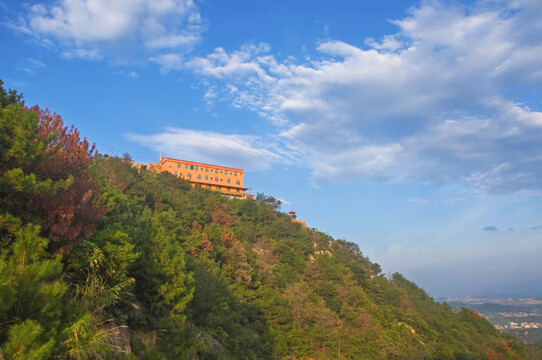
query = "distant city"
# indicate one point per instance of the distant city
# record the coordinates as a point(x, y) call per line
point(519, 317)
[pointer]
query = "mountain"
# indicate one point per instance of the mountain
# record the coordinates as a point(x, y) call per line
point(101, 259)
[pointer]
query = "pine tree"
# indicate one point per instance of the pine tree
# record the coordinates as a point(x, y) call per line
point(32, 293)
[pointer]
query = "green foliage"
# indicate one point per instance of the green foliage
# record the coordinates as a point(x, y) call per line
point(26, 341)
point(239, 327)
point(19, 152)
point(326, 290)
point(268, 201)
point(31, 308)
point(36, 290)
point(166, 283)
point(84, 340)
point(8, 97)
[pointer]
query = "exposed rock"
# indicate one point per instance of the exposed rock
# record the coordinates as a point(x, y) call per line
point(120, 338)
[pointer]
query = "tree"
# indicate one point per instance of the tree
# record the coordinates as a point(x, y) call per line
point(31, 293)
point(43, 173)
point(72, 213)
point(326, 290)
point(8, 97)
point(162, 278)
point(269, 201)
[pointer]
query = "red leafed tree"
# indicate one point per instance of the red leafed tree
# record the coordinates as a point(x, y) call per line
point(221, 216)
point(44, 176)
point(73, 212)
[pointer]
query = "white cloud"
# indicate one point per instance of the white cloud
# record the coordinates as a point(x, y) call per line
point(454, 200)
point(96, 28)
point(130, 74)
point(30, 66)
point(168, 62)
point(240, 151)
point(36, 63)
point(418, 200)
point(429, 102)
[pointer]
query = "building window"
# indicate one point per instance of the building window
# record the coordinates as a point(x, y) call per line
point(238, 182)
point(237, 190)
point(219, 187)
point(197, 168)
point(235, 173)
point(178, 165)
point(176, 173)
point(226, 172)
point(206, 169)
point(228, 181)
point(188, 175)
point(216, 171)
point(170, 167)
point(206, 177)
point(186, 166)
point(191, 167)
point(199, 176)
point(216, 179)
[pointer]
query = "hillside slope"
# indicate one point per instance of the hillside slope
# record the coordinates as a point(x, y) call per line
point(102, 260)
point(266, 287)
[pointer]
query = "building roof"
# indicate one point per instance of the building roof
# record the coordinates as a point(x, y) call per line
point(202, 164)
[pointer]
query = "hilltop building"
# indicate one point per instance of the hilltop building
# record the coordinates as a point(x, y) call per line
point(226, 180)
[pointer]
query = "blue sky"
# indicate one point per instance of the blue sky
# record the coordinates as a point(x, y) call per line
point(411, 128)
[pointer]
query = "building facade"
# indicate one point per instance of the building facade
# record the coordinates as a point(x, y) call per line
point(226, 180)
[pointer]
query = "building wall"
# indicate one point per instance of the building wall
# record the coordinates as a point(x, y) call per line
point(213, 177)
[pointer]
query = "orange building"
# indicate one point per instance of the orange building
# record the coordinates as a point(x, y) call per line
point(226, 180)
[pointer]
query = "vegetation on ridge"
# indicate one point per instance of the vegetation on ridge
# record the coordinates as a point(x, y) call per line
point(102, 260)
